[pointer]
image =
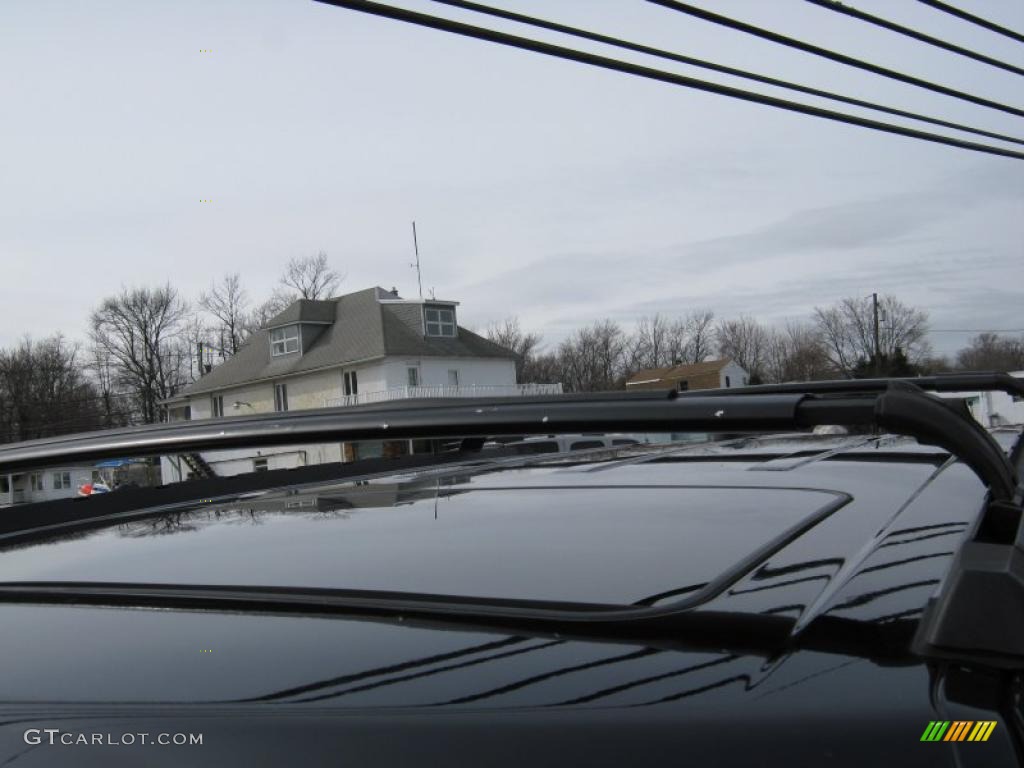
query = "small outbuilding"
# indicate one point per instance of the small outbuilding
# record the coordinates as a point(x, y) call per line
point(711, 374)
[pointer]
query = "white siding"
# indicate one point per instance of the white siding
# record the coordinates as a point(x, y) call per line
point(79, 476)
point(737, 376)
point(306, 390)
point(311, 390)
point(371, 378)
point(434, 371)
point(993, 409)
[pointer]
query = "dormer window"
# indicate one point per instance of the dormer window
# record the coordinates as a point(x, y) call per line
point(284, 341)
point(440, 321)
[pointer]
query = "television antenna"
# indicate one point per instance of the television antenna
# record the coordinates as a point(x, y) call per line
point(416, 249)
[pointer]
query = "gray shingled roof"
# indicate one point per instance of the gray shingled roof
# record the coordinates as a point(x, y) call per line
point(362, 329)
point(305, 311)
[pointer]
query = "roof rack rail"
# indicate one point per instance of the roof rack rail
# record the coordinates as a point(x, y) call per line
point(983, 381)
point(902, 408)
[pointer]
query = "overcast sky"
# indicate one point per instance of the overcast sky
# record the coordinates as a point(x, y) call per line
point(542, 188)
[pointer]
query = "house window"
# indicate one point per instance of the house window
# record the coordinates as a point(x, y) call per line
point(727, 384)
point(60, 480)
point(5, 485)
point(36, 482)
point(453, 377)
point(546, 446)
point(351, 383)
point(280, 398)
point(284, 341)
point(414, 376)
point(683, 385)
point(440, 322)
point(259, 465)
point(217, 406)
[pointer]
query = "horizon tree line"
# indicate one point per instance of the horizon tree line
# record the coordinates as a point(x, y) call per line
point(145, 344)
point(836, 341)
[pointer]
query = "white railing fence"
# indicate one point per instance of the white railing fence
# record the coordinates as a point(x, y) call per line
point(444, 391)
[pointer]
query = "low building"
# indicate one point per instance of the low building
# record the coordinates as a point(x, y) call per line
point(712, 374)
point(46, 484)
point(366, 347)
point(994, 409)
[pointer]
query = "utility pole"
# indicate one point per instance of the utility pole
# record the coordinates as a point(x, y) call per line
point(419, 278)
point(878, 352)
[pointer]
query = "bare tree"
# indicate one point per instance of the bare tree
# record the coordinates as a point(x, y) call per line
point(610, 344)
point(658, 342)
point(311, 277)
point(934, 364)
point(228, 303)
point(745, 342)
point(543, 369)
point(115, 406)
point(677, 342)
point(992, 352)
point(44, 391)
point(650, 346)
point(796, 353)
point(699, 328)
point(593, 358)
point(847, 329)
point(196, 347)
point(140, 329)
point(263, 312)
point(510, 335)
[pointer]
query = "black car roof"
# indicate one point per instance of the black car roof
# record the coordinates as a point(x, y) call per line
point(900, 406)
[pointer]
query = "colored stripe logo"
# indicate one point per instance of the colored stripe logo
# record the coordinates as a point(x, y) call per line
point(958, 730)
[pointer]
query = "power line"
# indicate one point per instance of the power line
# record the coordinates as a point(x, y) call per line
point(976, 330)
point(833, 5)
point(502, 38)
point(990, 25)
point(671, 56)
point(791, 42)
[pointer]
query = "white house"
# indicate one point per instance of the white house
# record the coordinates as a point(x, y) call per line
point(364, 347)
point(994, 409)
point(711, 374)
point(46, 484)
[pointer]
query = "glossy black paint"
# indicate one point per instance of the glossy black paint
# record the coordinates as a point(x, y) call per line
point(517, 542)
point(619, 528)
